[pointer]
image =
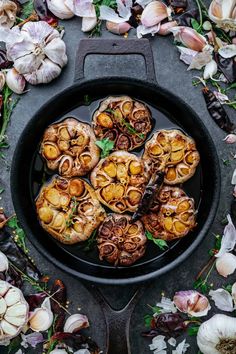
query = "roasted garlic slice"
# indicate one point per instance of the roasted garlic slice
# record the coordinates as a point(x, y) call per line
point(68, 209)
point(173, 152)
point(173, 215)
point(13, 311)
point(119, 181)
point(69, 148)
point(124, 121)
point(119, 241)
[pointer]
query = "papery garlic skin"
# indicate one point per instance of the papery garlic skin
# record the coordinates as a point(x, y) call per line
point(38, 52)
point(222, 12)
point(165, 28)
point(189, 38)
point(41, 318)
point(2, 80)
point(4, 264)
point(215, 333)
point(76, 322)
point(13, 311)
point(230, 139)
point(154, 13)
point(15, 81)
point(88, 23)
point(59, 9)
point(118, 28)
point(210, 70)
point(8, 11)
point(226, 264)
point(192, 303)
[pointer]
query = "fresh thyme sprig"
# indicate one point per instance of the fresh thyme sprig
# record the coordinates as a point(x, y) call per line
point(72, 214)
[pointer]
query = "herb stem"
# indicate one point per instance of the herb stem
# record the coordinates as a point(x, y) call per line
point(206, 267)
point(200, 14)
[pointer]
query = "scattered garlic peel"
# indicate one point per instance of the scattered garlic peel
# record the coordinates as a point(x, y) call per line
point(222, 299)
point(75, 323)
point(124, 10)
point(228, 51)
point(229, 238)
point(226, 264)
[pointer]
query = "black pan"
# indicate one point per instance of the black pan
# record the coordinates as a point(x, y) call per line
point(168, 110)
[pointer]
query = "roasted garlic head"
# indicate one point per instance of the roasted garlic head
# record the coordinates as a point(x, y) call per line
point(119, 241)
point(69, 148)
point(119, 181)
point(173, 215)
point(13, 311)
point(68, 209)
point(124, 121)
point(173, 152)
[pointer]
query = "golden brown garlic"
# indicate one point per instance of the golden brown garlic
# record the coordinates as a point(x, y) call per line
point(124, 121)
point(68, 209)
point(8, 11)
point(173, 152)
point(172, 216)
point(69, 148)
point(119, 181)
point(120, 242)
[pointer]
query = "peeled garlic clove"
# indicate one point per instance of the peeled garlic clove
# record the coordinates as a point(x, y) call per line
point(207, 26)
point(15, 81)
point(4, 286)
point(3, 262)
point(154, 13)
point(3, 306)
point(8, 328)
point(226, 264)
point(12, 297)
point(222, 12)
point(210, 70)
point(189, 38)
point(118, 28)
point(230, 139)
point(16, 310)
point(76, 322)
point(2, 83)
point(88, 23)
point(165, 28)
point(59, 9)
point(15, 321)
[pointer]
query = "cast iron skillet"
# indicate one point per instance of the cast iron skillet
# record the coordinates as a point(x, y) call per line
point(206, 182)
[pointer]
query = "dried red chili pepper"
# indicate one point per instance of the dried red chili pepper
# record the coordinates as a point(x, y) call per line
point(59, 291)
point(169, 324)
point(217, 111)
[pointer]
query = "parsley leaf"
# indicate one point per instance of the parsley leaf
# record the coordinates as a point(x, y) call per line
point(159, 242)
point(27, 9)
point(148, 320)
point(19, 233)
point(106, 146)
point(192, 331)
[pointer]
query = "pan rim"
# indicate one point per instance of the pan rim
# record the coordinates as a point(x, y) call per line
point(135, 279)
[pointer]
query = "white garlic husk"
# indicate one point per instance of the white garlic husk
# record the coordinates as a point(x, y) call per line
point(2, 80)
point(192, 303)
point(154, 13)
point(59, 9)
point(41, 318)
point(230, 139)
point(15, 81)
point(59, 351)
point(37, 50)
point(222, 12)
point(226, 264)
point(88, 23)
point(76, 322)
point(210, 70)
point(8, 11)
point(13, 311)
point(4, 264)
point(217, 334)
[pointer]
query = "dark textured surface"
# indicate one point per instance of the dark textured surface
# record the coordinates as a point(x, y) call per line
point(171, 74)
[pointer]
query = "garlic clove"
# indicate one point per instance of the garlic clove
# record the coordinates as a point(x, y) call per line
point(233, 180)
point(16, 321)
point(12, 297)
point(8, 10)
point(226, 264)
point(88, 23)
point(4, 286)
point(59, 9)
point(210, 70)
point(234, 294)
point(189, 38)
point(15, 81)
point(230, 139)
point(4, 264)
point(2, 83)
point(55, 51)
point(17, 310)
point(165, 28)
point(9, 328)
point(41, 320)
point(45, 74)
point(228, 51)
point(58, 351)
point(118, 28)
point(3, 306)
point(143, 31)
point(154, 13)
point(76, 322)
point(192, 302)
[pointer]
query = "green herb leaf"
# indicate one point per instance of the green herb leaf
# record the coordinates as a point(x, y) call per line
point(195, 24)
point(159, 242)
point(19, 234)
point(27, 9)
point(148, 320)
point(87, 100)
point(1, 190)
point(193, 330)
point(202, 285)
point(228, 288)
point(14, 345)
point(106, 146)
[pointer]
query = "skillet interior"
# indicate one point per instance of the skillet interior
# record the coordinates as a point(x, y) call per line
point(204, 186)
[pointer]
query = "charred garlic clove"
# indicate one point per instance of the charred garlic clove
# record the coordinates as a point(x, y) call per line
point(8, 11)
point(13, 311)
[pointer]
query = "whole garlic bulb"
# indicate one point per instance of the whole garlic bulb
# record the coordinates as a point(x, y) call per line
point(59, 9)
point(7, 13)
point(217, 335)
point(13, 311)
point(38, 52)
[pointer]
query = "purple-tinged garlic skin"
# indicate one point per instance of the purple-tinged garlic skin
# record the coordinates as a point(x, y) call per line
point(192, 303)
point(122, 120)
point(69, 148)
point(189, 38)
point(68, 209)
point(119, 241)
point(13, 311)
point(154, 13)
point(119, 181)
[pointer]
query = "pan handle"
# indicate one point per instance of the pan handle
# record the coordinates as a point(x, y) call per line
point(118, 321)
point(114, 47)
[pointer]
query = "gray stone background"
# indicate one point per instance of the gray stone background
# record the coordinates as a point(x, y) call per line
point(171, 74)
